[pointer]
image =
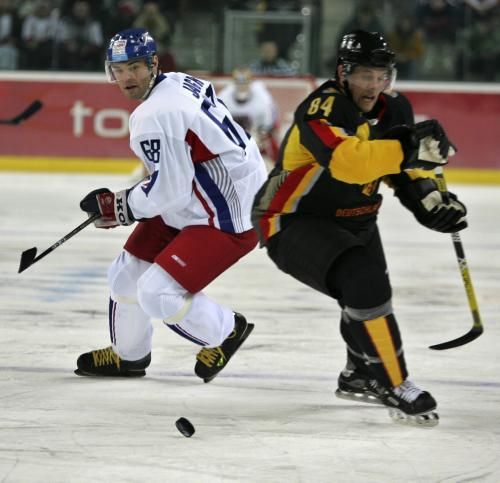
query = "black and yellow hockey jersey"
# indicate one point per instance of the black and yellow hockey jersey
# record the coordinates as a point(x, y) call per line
point(331, 162)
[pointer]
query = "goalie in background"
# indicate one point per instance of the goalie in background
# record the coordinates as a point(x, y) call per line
point(253, 107)
point(317, 212)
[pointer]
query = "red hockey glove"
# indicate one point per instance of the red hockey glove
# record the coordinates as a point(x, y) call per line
point(112, 206)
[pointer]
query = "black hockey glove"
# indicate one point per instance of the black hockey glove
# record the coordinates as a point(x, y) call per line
point(112, 206)
point(424, 145)
point(433, 129)
point(423, 198)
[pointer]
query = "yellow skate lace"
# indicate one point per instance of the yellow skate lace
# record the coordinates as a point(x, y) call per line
point(105, 357)
point(212, 356)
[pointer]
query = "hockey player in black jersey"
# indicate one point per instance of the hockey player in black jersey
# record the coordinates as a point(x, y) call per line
point(317, 212)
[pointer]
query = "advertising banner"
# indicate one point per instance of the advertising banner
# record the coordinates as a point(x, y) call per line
point(85, 117)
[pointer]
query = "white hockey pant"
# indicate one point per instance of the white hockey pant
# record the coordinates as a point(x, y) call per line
point(141, 291)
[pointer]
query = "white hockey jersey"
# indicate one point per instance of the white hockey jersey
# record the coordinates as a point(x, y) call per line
point(204, 169)
point(257, 112)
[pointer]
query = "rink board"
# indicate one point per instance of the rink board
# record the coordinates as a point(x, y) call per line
point(83, 125)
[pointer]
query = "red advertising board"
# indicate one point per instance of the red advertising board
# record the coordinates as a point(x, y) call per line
point(469, 113)
point(85, 117)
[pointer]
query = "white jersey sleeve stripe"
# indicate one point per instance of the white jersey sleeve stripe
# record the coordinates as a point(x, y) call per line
point(215, 196)
point(205, 205)
point(219, 173)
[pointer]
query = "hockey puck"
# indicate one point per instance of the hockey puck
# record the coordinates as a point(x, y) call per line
point(185, 427)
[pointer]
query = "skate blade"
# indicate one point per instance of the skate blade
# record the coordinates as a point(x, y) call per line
point(423, 420)
point(130, 374)
point(358, 397)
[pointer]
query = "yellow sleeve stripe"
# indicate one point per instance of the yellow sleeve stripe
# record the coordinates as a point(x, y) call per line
point(380, 335)
point(359, 162)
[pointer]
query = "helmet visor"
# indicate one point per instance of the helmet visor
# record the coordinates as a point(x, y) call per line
point(376, 78)
point(109, 72)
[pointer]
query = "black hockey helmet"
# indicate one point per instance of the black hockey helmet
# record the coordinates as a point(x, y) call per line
point(360, 47)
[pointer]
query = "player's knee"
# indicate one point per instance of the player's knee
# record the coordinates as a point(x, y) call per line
point(123, 275)
point(160, 295)
point(367, 289)
point(359, 280)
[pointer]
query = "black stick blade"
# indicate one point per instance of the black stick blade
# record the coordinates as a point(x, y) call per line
point(27, 259)
point(473, 334)
point(34, 107)
point(30, 110)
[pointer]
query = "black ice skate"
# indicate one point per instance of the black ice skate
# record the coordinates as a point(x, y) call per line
point(355, 386)
point(106, 363)
point(410, 405)
point(211, 361)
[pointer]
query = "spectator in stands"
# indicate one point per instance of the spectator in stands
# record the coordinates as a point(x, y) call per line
point(81, 39)
point(270, 63)
point(482, 7)
point(482, 40)
point(408, 43)
point(9, 36)
point(438, 21)
point(284, 34)
point(364, 17)
point(157, 24)
point(39, 37)
point(166, 60)
point(151, 18)
point(122, 17)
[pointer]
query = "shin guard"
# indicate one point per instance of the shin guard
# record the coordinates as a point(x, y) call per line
point(379, 341)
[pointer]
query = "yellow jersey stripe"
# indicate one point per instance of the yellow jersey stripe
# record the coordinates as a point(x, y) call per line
point(302, 188)
point(380, 335)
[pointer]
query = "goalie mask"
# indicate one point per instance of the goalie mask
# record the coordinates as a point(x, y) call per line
point(127, 45)
point(242, 79)
point(368, 49)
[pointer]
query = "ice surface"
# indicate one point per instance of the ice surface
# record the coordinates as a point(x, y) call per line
point(271, 416)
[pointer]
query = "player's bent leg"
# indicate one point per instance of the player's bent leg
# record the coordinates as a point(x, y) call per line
point(377, 333)
point(130, 327)
point(195, 317)
point(376, 368)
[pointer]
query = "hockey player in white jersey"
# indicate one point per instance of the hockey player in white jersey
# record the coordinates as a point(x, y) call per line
point(253, 107)
point(192, 214)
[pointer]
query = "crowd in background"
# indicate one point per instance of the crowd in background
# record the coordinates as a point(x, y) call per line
point(72, 34)
point(433, 39)
point(438, 39)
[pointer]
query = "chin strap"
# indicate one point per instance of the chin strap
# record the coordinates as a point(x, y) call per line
point(347, 91)
point(150, 86)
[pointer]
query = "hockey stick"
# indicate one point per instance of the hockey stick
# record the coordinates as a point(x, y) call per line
point(477, 326)
point(28, 257)
point(34, 107)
